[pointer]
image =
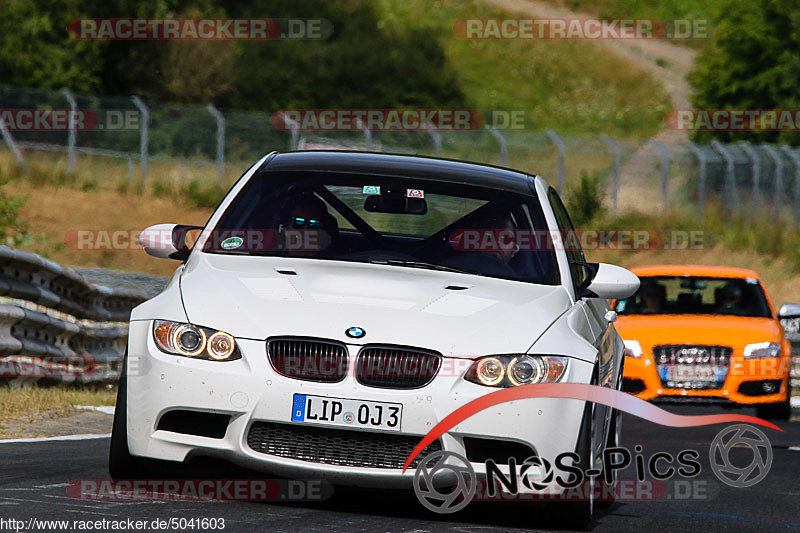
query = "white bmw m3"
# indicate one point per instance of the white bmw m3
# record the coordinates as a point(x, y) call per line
point(338, 305)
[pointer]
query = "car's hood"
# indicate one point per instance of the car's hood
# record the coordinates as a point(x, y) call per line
point(249, 297)
point(720, 330)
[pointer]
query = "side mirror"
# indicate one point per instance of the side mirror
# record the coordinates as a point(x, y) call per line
point(789, 310)
point(167, 241)
point(607, 281)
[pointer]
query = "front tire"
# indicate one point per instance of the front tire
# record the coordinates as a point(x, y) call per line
point(121, 464)
point(578, 515)
point(614, 440)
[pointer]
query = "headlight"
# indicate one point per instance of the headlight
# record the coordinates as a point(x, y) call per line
point(762, 349)
point(511, 370)
point(632, 349)
point(490, 371)
point(194, 341)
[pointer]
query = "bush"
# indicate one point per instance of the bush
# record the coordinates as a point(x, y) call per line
point(203, 196)
point(89, 185)
point(585, 202)
point(161, 188)
point(13, 230)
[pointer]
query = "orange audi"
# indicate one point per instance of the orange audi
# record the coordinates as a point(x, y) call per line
point(705, 334)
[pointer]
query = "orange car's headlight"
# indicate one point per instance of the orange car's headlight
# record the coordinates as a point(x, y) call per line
point(632, 348)
point(762, 349)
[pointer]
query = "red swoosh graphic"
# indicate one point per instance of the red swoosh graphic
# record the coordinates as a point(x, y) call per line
point(579, 391)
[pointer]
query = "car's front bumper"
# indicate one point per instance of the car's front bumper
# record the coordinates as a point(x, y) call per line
point(741, 385)
point(249, 390)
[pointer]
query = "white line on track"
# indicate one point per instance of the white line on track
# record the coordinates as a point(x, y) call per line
point(85, 436)
point(107, 409)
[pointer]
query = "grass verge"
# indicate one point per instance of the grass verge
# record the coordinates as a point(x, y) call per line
point(772, 249)
point(35, 403)
point(569, 85)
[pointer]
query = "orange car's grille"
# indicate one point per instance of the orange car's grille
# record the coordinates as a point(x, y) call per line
point(692, 366)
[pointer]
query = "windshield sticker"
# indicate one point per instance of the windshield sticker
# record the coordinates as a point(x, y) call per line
point(231, 243)
point(751, 281)
point(415, 193)
point(371, 189)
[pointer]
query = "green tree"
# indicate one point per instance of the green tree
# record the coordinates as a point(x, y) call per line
point(753, 63)
point(36, 50)
point(360, 65)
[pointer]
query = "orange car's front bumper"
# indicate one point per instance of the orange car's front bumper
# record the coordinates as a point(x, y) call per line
point(642, 380)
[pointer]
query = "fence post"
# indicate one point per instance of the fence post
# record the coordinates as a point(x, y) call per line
point(730, 178)
point(295, 127)
point(615, 184)
point(143, 134)
point(73, 132)
point(367, 133)
point(778, 183)
point(663, 155)
point(562, 149)
point(701, 186)
point(503, 145)
point(10, 142)
point(437, 139)
point(796, 161)
point(756, 161)
point(220, 142)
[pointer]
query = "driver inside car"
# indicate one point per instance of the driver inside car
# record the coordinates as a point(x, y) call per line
point(498, 245)
point(307, 228)
point(731, 301)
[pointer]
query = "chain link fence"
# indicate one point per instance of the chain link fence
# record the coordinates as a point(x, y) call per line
point(128, 139)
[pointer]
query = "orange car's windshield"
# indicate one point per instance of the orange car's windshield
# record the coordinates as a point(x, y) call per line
point(678, 295)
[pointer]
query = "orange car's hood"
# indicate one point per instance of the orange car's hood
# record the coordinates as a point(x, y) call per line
point(731, 331)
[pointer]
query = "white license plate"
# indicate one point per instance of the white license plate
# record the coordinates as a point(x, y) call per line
point(346, 412)
point(698, 373)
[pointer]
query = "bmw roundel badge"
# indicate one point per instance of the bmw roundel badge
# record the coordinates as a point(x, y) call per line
point(355, 333)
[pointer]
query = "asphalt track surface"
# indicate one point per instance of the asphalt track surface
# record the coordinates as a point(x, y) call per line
point(34, 478)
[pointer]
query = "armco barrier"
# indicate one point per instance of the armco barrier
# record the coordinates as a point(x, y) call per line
point(56, 325)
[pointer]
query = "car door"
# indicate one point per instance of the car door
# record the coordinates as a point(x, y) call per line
point(604, 335)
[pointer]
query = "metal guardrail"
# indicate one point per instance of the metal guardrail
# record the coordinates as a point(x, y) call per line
point(55, 325)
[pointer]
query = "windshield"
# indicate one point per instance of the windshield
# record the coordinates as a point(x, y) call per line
point(398, 221)
point(677, 295)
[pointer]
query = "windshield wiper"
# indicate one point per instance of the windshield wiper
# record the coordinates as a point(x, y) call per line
point(417, 264)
